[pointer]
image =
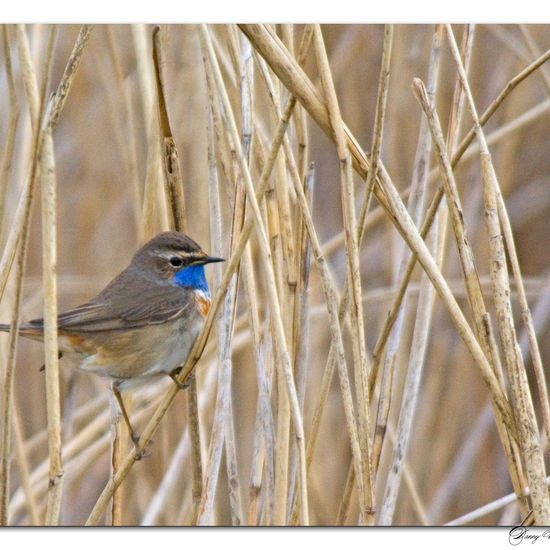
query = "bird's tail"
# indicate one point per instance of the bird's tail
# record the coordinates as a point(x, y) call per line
point(5, 328)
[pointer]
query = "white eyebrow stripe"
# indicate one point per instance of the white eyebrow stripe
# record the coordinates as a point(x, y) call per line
point(182, 254)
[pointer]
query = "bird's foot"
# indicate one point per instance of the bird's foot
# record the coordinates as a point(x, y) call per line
point(174, 376)
point(140, 453)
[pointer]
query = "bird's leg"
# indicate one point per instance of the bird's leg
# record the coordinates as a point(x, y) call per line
point(133, 435)
point(174, 374)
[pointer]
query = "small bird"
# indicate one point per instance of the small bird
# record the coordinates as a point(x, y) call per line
point(143, 324)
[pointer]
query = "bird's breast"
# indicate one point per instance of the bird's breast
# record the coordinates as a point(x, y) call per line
point(203, 302)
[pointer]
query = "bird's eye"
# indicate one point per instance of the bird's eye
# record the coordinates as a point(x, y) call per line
point(176, 261)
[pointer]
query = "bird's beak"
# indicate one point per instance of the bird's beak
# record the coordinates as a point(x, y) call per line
point(212, 259)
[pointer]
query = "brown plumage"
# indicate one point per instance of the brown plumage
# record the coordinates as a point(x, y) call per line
point(144, 322)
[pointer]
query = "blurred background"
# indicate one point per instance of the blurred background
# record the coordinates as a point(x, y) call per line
point(103, 167)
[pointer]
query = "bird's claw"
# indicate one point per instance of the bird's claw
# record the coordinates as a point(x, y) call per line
point(140, 453)
point(174, 376)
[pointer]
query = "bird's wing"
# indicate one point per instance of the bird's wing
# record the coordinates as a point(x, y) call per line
point(130, 310)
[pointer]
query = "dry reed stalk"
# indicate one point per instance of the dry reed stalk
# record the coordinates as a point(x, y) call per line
point(489, 508)
point(174, 194)
point(469, 153)
point(27, 192)
point(246, 73)
point(205, 511)
point(254, 403)
point(7, 158)
point(51, 349)
point(262, 485)
point(476, 351)
point(118, 449)
point(24, 468)
point(301, 313)
point(299, 115)
point(414, 370)
point(526, 314)
point(222, 417)
point(29, 76)
point(475, 295)
point(269, 46)
point(377, 296)
point(8, 385)
point(415, 204)
point(523, 50)
point(242, 63)
point(200, 343)
point(469, 269)
point(383, 406)
point(440, 233)
point(154, 215)
point(62, 91)
point(81, 444)
point(379, 116)
point(24, 232)
point(534, 50)
point(488, 113)
point(512, 255)
point(354, 277)
point(330, 295)
point(171, 164)
point(462, 152)
point(277, 214)
point(284, 364)
point(298, 83)
point(515, 370)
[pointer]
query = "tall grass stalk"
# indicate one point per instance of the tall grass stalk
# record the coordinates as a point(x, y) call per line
point(332, 381)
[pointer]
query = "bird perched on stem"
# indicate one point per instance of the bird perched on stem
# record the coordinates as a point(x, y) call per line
point(143, 324)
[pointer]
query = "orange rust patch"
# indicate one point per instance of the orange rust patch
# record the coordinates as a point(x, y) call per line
point(203, 303)
point(76, 342)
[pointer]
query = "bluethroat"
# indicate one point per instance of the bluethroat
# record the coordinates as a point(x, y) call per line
point(143, 324)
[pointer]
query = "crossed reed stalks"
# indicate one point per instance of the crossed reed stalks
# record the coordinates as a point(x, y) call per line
point(373, 354)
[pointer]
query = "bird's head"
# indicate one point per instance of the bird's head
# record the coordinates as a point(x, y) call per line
point(174, 258)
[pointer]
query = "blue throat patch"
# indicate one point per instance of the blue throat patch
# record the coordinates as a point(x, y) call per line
point(193, 277)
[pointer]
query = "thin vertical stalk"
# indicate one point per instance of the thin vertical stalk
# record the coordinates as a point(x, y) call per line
point(198, 347)
point(473, 287)
point(118, 448)
point(29, 76)
point(7, 158)
point(23, 205)
point(225, 331)
point(298, 83)
point(534, 349)
point(354, 277)
point(154, 215)
point(284, 364)
point(174, 193)
point(301, 309)
point(379, 116)
point(23, 232)
point(62, 91)
point(8, 386)
point(55, 486)
point(171, 164)
point(515, 370)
